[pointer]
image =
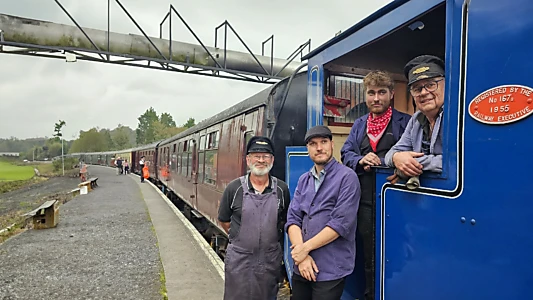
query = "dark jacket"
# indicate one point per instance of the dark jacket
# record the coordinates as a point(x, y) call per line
point(351, 152)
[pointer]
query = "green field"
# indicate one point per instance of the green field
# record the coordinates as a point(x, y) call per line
point(10, 172)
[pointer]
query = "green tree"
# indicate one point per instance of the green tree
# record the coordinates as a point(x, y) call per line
point(190, 123)
point(110, 145)
point(90, 141)
point(58, 127)
point(55, 150)
point(145, 128)
point(162, 132)
point(167, 120)
point(121, 137)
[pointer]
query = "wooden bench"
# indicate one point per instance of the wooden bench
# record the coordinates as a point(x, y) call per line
point(93, 181)
point(87, 184)
point(75, 192)
point(46, 215)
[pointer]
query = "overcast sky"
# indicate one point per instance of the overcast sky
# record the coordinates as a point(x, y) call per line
point(37, 92)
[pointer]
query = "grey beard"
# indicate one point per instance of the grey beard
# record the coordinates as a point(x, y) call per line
point(258, 172)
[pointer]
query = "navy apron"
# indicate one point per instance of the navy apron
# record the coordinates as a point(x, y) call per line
point(253, 257)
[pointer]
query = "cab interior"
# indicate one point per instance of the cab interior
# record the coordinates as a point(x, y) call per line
point(344, 99)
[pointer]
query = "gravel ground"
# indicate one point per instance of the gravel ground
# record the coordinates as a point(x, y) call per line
point(102, 248)
point(28, 198)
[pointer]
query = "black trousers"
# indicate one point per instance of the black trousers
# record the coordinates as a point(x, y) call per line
point(302, 289)
point(366, 228)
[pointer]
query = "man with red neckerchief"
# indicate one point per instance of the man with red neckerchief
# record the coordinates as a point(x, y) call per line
point(371, 137)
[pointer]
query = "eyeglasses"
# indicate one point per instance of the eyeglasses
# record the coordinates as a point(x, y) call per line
point(264, 156)
point(429, 86)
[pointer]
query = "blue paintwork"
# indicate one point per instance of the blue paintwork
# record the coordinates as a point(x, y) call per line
point(315, 92)
point(297, 162)
point(426, 244)
point(424, 250)
point(381, 26)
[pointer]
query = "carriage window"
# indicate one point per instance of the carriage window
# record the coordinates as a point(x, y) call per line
point(189, 160)
point(178, 158)
point(344, 101)
point(184, 163)
point(201, 157)
point(211, 166)
point(213, 140)
point(202, 142)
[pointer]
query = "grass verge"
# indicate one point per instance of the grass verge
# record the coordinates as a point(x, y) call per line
point(9, 172)
point(163, 289)
point(8, 186)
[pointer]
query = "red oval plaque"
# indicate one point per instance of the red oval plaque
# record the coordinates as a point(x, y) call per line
point(502, 105)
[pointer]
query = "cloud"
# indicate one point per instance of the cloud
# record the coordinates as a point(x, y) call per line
point(37, 92)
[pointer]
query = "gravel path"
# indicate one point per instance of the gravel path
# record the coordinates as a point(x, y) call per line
point(102, 248)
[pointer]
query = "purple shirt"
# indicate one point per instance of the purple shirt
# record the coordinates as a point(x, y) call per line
point(334, 204)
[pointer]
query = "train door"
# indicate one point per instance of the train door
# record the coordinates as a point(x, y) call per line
point(194, 174)
point(250, 128)
point(166, 169)
point(133, 161)
point(247, 136)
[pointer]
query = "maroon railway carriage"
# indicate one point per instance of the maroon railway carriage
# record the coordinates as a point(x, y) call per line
point(200, 162)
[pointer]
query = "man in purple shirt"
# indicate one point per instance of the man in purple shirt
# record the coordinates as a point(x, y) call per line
point(321, 222)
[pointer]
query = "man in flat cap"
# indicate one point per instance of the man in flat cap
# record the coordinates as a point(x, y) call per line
point(253, 210)
point(420, 147)
point(322, 221)
point(371, 136)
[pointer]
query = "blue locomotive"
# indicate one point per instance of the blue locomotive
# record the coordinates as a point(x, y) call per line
point(463, 234)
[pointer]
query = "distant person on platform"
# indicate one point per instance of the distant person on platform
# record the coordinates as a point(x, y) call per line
point(322, 221)
point(253, 210)
point(141, 167)
point(126, 167)
point(420, 147)
point(371, 136)
point(118, 163)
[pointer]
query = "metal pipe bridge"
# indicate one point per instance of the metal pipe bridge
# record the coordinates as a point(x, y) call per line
point(74, 42)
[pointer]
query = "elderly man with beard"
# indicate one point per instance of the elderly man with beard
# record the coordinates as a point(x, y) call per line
point(420, 147)
point(371, 136)
point(253, 210)
point(322, 221)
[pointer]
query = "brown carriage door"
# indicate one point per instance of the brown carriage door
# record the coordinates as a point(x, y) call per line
point(194, 176)
point(247, 136)
point(249, 128)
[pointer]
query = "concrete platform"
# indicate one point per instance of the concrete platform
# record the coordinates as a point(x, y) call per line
point(113, 243)
point(192, 269)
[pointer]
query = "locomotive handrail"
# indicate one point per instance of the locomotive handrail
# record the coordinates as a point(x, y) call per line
point(285, 94)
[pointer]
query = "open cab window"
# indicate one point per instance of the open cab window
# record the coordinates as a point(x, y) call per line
point(344, 95)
